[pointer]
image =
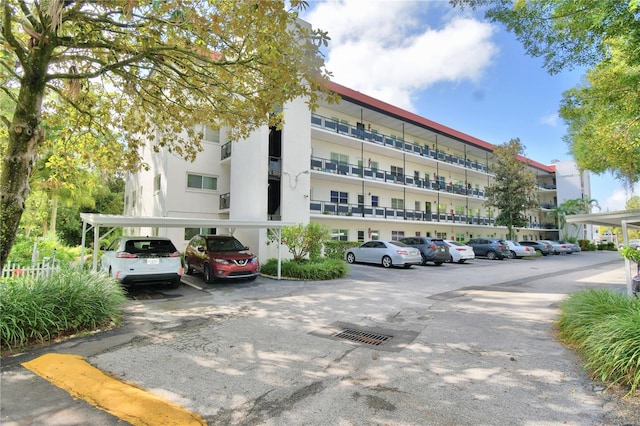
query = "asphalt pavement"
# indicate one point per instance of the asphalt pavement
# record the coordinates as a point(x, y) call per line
point(469, 344)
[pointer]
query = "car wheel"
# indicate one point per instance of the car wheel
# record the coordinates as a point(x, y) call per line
point(208, 275)
point(461, 260)
point(491, 255)
point(175, 283)
point(512, 254)
point(539, 253)
point(451, 259)
point(351, 258)
point(386, 262)
point(424, 259)
point(188, 269)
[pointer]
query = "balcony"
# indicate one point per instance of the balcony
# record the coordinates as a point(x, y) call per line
point(225, 151)
point(275, 169)
point(372, 174)
point(225, 201)
point(391, 141)
point(377, 212)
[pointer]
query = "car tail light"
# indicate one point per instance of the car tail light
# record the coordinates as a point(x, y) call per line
point(126, 255)
point(174, 254)
point(432, 246)
point(402, 252)
point(459, 249)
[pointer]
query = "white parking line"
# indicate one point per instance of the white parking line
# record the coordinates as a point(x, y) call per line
point(192, 285)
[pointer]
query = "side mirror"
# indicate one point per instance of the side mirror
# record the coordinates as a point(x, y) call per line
point(247, 248)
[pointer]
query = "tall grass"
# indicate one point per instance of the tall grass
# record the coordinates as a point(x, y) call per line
point(604, 327)
point(36, 310)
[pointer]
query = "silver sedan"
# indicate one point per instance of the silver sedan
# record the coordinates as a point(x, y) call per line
point(385, 253)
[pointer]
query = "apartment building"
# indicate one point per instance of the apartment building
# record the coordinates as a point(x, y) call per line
point(364, 168)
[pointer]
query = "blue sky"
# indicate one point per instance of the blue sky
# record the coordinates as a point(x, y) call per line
point(454, 68)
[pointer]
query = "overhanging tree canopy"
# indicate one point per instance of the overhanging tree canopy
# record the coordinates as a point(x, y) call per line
point(152, 68)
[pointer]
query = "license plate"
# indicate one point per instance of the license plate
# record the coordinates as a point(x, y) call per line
point(155, 261)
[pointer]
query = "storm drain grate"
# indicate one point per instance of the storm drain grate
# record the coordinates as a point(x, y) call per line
point(381, 339)
point(373, 339)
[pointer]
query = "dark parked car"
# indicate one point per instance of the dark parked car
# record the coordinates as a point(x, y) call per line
point(220, 257)
point(431, 249)
point(539, 246)
point(491, 248)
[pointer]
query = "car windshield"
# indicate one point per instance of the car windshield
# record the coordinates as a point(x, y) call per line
point(226, 244)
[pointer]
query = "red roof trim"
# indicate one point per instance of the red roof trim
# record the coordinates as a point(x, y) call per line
point(383, 106)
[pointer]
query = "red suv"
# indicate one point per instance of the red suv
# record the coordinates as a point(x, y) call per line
point(220, 257)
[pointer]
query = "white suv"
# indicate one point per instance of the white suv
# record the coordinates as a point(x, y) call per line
point(143, 260)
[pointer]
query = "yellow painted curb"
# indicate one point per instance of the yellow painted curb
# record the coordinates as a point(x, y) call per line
point(125, 401)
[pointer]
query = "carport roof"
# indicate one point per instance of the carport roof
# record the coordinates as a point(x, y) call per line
point(631, 217)
point(113, 220)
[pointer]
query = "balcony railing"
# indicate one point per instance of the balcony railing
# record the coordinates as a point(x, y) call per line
point(225, 151)
point(395, 142)
point(225, 201)
point(368, 173)
point(369, 211)
point(275, 166)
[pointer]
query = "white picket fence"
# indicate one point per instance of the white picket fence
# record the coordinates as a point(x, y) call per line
point(35, 270)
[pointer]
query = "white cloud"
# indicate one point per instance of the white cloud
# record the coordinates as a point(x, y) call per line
point(550, 119)
point(614, 198)
point(389, 50)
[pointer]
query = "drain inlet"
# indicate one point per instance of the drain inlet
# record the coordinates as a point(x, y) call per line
point(363, 337)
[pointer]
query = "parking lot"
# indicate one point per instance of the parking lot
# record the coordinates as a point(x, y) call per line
point(428, 278)
point(456, 344)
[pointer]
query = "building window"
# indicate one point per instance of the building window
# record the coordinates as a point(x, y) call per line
point(202, 182)
point(361, 236)
point(397, 235)
point(339, 234)
point(417, 233)
point(209, 134)
point(397, 203)
point(156, 183)
point(417, 206)
point(339, 197)
point(339, 158)
point(459, 210)
point(397, 171)
point(189, 233)
point(374, 201)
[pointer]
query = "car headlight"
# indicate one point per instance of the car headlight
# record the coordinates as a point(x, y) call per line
point(222, 261)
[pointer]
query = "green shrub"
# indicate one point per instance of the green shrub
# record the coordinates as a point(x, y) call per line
point(302, 240)
point(604, 326)
point(610, 246)
point(36, 310)
point(586, 245)
point(22, 250)
point(335, 249)
point(322, 269)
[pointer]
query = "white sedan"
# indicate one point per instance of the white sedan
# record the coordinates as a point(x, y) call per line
point(519, 251)
point(459, 252)
point(385, 253)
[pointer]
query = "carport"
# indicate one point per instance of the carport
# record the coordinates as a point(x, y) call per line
point(110, 222)
point(625, 219)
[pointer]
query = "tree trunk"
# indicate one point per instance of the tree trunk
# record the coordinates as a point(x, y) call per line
point(54, 216)
point(25, 136)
